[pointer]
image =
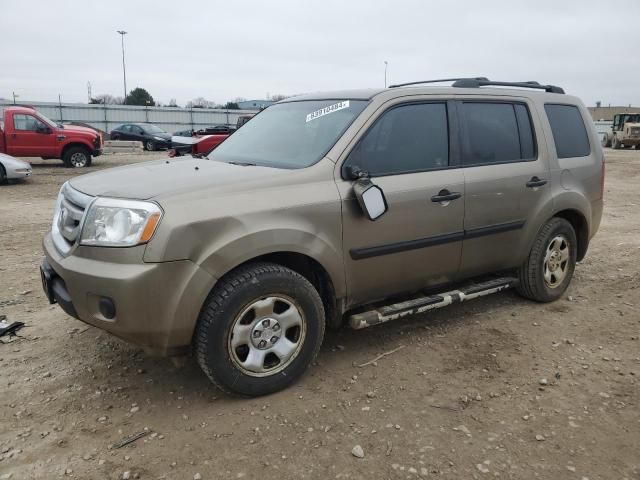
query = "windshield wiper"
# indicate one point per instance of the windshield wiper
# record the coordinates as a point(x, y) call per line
point(243, 164)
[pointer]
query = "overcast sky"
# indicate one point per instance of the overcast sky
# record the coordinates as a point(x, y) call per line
point(221, 50)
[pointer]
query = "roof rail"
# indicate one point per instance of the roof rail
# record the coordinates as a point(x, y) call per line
point(476, 82)
point(438, 81)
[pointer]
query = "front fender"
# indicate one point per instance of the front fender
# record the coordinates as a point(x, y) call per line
point(219, 259)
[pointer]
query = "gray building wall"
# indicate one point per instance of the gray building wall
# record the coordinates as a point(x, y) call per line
point(108, 117)
point(607, 113)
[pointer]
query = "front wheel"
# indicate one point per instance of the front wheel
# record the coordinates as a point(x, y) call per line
point(149, 146)
point(259, 329)
point(548, 270)
point(615, 143)
point(76, 157)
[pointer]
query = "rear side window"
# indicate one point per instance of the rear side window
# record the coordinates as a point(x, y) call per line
point(497, 133)
point(569, 132)
point(408, 138)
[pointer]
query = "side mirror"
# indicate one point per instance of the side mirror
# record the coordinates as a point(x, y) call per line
point(371, 198)
point(43, 129)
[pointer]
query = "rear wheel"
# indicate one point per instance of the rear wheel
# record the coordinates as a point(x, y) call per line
point(77, 157)
point(548, 270)
point(259, 330)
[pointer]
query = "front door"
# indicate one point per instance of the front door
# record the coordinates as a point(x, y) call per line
point(31, 137)
point(507, 183)
point(417, 242)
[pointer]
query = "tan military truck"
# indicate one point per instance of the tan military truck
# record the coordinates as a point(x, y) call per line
point(624, 133)
point(352, 207)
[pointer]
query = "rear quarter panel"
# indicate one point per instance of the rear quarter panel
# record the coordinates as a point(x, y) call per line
point(576, 181)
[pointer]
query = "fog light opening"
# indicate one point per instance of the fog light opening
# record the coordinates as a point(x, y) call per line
point(107, 308)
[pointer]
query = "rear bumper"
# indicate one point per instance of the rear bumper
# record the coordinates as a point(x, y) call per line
point(153, 305)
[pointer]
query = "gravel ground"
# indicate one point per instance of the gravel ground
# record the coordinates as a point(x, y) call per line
point(499, 387)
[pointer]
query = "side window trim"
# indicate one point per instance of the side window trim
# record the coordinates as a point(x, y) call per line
point(464, 138)
point(452, 130)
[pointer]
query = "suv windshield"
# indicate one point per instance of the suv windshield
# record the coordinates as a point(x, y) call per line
point(290, 135)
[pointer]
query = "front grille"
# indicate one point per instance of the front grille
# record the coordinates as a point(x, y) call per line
point(67, 219)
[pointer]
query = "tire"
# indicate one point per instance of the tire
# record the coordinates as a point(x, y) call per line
point(615, 143)
point(149, 146)
point(539, 279)
point(3, 175)
point(606, 141)
point(243, 323)
point(76, 157)
point(115, 136)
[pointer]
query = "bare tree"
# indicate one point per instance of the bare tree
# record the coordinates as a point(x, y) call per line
point(201, 102)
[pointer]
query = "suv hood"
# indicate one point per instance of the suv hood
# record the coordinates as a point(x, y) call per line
point(162, 178)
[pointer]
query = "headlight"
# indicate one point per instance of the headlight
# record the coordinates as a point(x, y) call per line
point(112, 222)
point(160, 139)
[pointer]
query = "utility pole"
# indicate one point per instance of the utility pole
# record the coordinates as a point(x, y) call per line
point(14, 97)
point(386, 64)
point(124, 69)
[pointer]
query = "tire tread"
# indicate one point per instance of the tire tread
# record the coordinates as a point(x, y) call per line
point(214, 307)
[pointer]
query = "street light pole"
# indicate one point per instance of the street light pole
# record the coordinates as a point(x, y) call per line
point(386, 64)
point(124, 69)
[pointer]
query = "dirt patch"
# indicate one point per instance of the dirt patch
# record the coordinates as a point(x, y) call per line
point(500, 387)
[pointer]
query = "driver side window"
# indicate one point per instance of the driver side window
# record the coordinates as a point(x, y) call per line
point(405, 139)
point(26, 123)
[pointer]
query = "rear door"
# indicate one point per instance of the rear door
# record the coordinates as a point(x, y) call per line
point(31, 137)
point(506, 182)
point(417, 242)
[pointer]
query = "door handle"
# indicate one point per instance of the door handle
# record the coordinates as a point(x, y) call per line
point(445, 195)
point(536, 182)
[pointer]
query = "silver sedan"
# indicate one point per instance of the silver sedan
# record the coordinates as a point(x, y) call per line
point(11, 168)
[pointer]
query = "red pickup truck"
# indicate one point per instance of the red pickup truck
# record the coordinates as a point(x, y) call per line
point(24, 132)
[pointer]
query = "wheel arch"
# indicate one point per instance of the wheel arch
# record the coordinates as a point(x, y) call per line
point(70, 145)
point(580, 225)
point(311, 269)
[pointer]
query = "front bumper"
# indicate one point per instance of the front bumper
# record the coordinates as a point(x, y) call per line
point(96, 152)
point(154, 305)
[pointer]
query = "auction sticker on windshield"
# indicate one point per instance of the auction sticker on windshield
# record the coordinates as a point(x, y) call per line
point(327, 110)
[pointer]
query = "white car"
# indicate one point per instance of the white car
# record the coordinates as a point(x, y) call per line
point(11, 168)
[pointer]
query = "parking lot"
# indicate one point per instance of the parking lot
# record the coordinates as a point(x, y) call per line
point(499, 387)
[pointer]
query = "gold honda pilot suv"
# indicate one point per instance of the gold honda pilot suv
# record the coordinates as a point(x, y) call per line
point(351, 207)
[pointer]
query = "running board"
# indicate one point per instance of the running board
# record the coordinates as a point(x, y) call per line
point(424, 304)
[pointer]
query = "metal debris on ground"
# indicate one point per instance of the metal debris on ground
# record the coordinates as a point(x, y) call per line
point(382, 355)
point(9, 328)
point(130, 439)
